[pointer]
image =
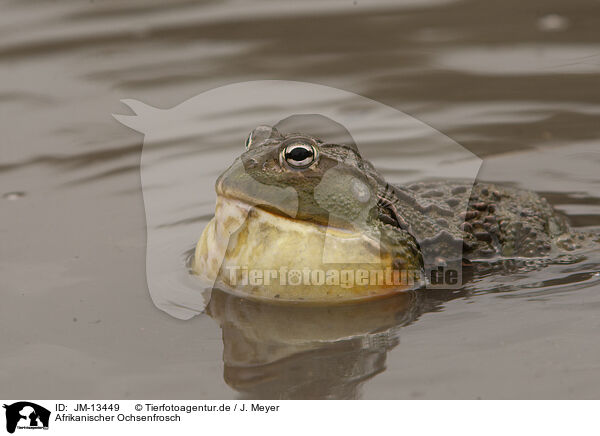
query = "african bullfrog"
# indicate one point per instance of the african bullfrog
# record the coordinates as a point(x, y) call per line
point(296, 217)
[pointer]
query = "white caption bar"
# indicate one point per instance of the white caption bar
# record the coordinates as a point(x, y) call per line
point(22, 417)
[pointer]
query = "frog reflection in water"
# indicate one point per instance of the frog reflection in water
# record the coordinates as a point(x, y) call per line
point(275, 351)
point(294, 201)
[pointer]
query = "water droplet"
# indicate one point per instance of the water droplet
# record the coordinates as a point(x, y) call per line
point(360, 190)
point(13, 195)
point(552, 23)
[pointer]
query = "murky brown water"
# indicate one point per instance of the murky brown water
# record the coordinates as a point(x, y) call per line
point(514, 82)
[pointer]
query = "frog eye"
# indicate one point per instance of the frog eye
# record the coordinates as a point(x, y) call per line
point(260, 135)
point(299, 154)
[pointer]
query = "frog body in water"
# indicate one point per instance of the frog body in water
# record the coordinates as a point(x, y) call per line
point(294, 203)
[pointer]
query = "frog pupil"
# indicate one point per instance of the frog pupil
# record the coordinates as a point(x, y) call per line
point(299, 154)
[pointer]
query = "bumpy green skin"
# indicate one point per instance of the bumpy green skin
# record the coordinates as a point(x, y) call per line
point(495, 220)
point(425, 223)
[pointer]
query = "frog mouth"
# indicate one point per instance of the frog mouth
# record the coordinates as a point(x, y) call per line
point(243, 242)
point(239, 188)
